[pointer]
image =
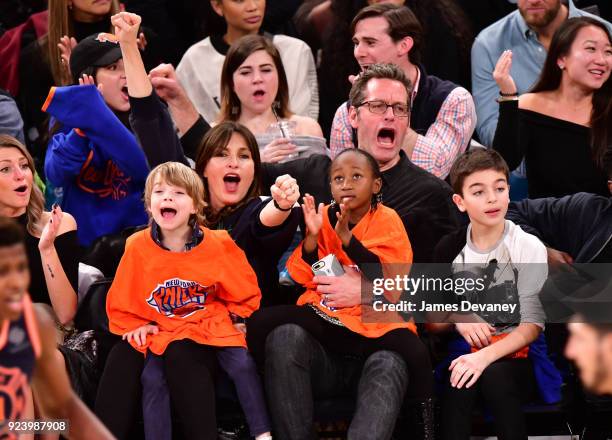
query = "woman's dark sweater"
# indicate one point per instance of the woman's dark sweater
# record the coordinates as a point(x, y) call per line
point(557, 153)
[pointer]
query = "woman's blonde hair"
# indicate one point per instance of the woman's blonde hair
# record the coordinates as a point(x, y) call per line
point(177, 174)
point(36, 204)
point(60, 24)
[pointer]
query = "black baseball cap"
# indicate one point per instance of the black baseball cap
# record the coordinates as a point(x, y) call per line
point(97, 50)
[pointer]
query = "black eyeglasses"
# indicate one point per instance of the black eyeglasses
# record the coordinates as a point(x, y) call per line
point(380, 108)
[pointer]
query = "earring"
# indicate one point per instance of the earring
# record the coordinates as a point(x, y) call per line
point(561, 66)
point(276, 105)
point(70, 6)
point(332, 204)
point(379, 197)
point(234, 110)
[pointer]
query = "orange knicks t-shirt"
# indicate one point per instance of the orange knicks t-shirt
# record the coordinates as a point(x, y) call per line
point(188, 295)
point(381, 232)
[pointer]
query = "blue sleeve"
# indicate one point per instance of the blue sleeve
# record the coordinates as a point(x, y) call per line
point(65, 157)
point(484, 90)
point(82, 107)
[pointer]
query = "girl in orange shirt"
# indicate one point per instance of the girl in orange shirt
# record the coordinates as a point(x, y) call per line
point(359, 231)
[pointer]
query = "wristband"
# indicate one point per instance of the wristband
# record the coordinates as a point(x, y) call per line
point(508, 95)
point(277, 206)
point(507, 98)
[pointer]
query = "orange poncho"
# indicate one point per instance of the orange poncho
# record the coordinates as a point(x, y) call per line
point(188, 295)
point(381, 232)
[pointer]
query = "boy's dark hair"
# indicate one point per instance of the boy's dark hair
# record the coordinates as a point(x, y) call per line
point(374, 167)
point(11, 232)
point(478, 159)
point(402, 23)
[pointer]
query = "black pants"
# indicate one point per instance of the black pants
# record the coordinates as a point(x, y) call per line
point(504, 386)
point(341, 340)
point(190, 370)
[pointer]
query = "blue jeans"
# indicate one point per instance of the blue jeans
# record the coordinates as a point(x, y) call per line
point(298, 369)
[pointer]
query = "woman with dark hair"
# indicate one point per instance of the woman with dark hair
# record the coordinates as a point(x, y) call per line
point(563, 127)
point(229, 162)
point(254, 92)
point(201, 66)
point(92, 154)
point(228, 159)
point(446, 50)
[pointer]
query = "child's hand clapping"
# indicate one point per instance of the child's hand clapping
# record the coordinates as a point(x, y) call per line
point(342, 226)
point(312, 217)
point(140, 334)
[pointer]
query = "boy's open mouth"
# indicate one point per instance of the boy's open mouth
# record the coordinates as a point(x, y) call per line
point(168, 213)
point(386, 136)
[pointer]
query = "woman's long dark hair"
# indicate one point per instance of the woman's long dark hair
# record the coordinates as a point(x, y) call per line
point(231, 106)
point(213, 143)
point(550, 79)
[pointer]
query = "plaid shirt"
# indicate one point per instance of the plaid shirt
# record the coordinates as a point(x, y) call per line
point(436, 151)
point(196, 236)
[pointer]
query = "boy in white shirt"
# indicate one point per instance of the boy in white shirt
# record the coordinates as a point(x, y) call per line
point(498, 364)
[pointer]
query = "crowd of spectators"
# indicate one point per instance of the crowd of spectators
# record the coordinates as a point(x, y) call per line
point(379, 131)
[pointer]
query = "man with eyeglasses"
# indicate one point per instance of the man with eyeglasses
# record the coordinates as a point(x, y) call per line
point(379, 117)
point(443, 116)
point(292, 356)
point(424, 204)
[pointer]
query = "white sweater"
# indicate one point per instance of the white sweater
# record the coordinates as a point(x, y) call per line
point(200, 74)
